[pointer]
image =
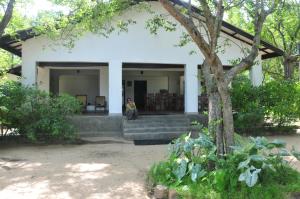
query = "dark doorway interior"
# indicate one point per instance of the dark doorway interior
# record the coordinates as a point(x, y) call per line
point(140, 91)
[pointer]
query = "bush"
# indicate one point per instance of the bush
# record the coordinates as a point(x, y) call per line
point(249, 112)
point(281, 100)
point(277, 101)
point(35, 114)
point(255, 170)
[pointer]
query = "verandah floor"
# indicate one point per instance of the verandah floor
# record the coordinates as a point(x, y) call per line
point(101, 113)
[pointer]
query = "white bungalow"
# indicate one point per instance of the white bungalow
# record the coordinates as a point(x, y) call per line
point(133, 64)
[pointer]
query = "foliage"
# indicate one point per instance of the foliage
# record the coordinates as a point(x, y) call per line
point(36, 115)
point(18, 21)
point(99, 17)
point(282, 29)
point(281, 101)
point(255, 170)
point(277, 101)
point(249, 112)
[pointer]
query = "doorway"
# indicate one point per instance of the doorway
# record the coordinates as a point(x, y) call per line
point(140, 92)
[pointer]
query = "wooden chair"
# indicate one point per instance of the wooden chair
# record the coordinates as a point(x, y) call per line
point(150, 102)
point(172, 101)
point(83, 101)
point(158, 102)
point(100, 102)
point(164, 101)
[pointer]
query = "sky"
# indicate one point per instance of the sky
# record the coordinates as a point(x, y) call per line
point(36, 6)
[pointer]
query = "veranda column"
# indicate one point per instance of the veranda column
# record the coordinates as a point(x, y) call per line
point(256, 73)
point(115, 88)
point(191, 88)
point(103, 81)
point(29, 70)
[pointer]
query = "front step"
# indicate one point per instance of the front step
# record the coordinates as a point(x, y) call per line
point(162, 127)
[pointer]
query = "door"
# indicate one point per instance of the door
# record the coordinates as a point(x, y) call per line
point(140, 92)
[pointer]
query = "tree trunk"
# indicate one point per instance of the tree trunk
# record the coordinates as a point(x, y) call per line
point(288, 67)
point(214, 108)
point(227, 116)
point(215, 120)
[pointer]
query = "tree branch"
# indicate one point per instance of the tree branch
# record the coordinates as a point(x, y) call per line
point(248, 61)
point(7, 16)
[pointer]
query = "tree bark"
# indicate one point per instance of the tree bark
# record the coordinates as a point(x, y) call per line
point(288, 65)
point(7, 16)
point(214, 108)
point(227, 118)
point(215, 120)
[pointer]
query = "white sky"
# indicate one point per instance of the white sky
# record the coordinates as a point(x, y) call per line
point(36, 6)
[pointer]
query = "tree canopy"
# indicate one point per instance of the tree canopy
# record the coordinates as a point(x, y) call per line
point(282, 29)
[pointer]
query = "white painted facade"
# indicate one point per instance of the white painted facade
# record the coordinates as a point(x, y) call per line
point(135, 46)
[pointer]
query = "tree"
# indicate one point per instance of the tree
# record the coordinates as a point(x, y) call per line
point(282, 29)
point(6, 17)
point(213, 12)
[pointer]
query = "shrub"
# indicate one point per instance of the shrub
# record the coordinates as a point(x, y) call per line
point(278, 101)
point(281, 100)
point(249, 112)
point(35, 114)
point(255, 170)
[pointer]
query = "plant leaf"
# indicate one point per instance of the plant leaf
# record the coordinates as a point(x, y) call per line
point(197, 172)
point(250, 176)
point(244, 164)
point(180, 170)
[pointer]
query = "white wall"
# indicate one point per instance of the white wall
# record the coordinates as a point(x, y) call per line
point(136, 45)
point(43, 79)
point(256, 73)
point(80, 85)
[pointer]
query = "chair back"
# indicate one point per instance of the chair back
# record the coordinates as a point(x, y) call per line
point(100, 100)
point(82, 99)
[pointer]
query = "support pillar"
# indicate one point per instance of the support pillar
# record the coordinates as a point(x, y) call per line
point(115, 88)
point(191, 89)
point(103, 81)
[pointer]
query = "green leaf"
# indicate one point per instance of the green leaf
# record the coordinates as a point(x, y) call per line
point(250, 176)
point(244, 164)
point(258, 158)
point(180, 170)
point(197, 172)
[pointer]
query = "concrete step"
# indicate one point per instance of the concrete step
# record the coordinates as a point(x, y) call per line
point(159, 117)
point(154, 135)
point(155, 129)
point(155, 124)
point(145, 120)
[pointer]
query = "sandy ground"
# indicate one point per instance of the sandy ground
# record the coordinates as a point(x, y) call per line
point(115, 170)
point(111, 170)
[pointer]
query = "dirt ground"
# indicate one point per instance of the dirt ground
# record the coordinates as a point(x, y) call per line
point(100, 170)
